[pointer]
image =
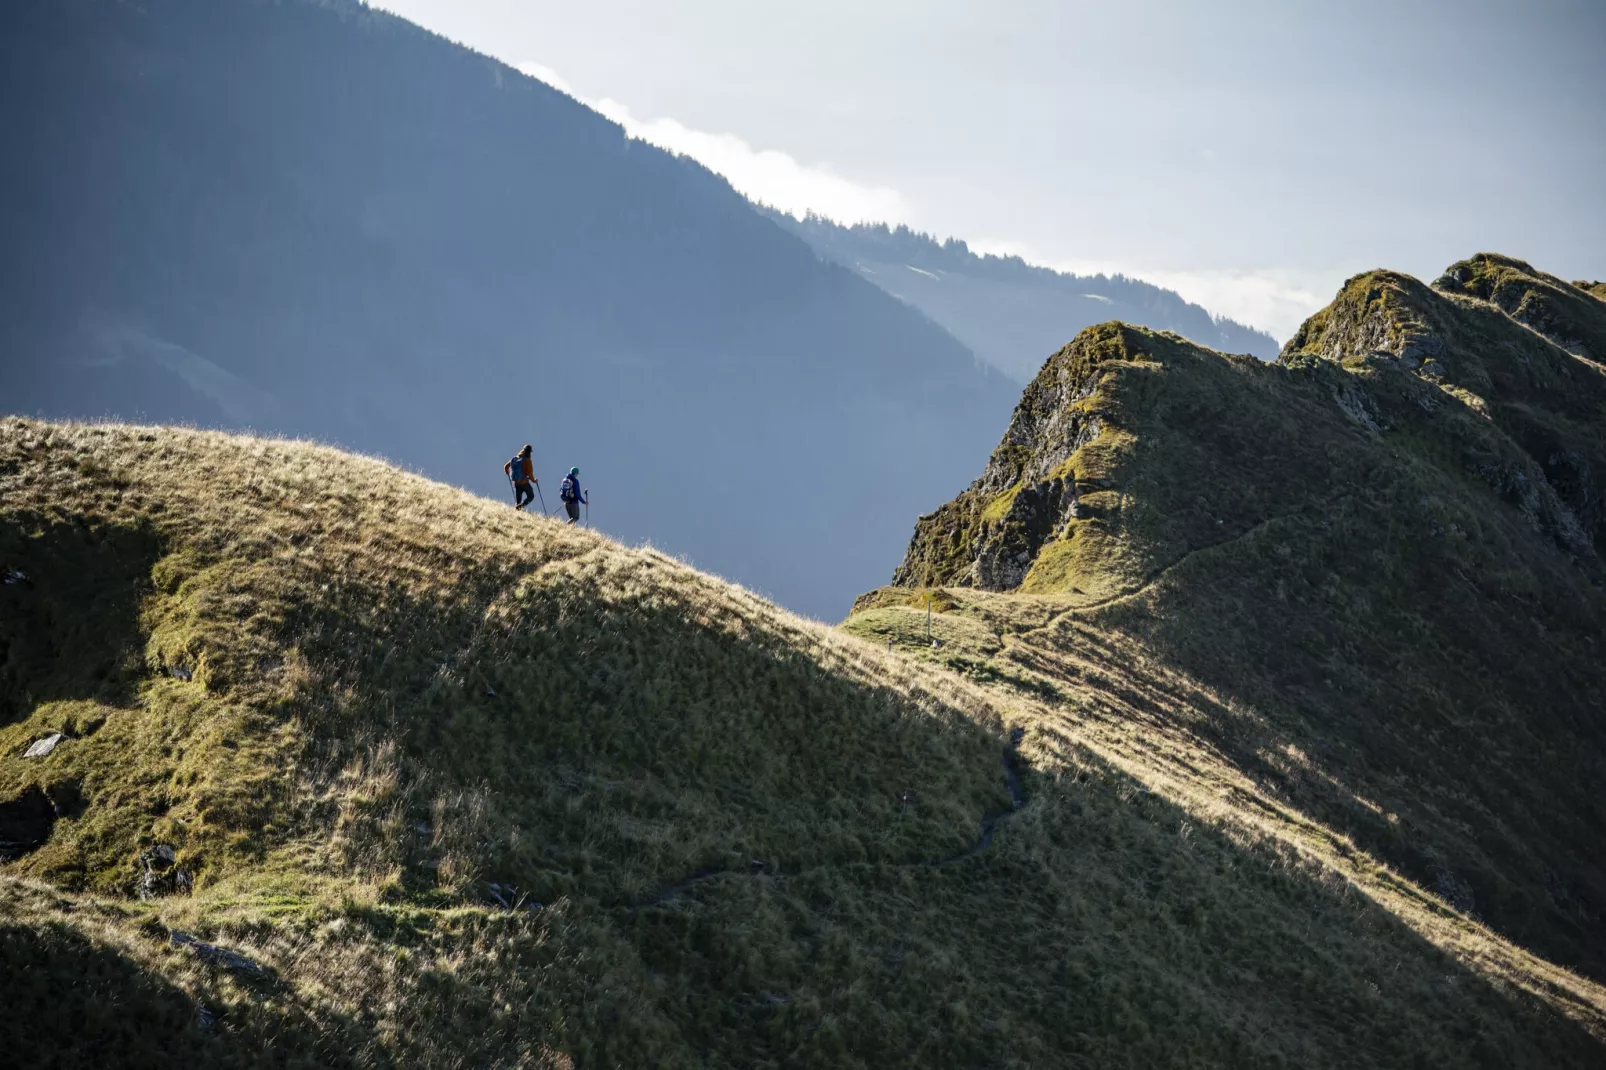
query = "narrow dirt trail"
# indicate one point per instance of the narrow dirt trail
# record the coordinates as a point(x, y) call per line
point(990, 824)
point(1142, 588)
point(991, 821)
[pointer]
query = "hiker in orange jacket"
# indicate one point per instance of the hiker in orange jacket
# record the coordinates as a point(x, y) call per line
point(521, 472)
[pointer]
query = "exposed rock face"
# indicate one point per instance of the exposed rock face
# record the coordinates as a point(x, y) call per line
point(159, 873)
point(1030, 467)
point(1152, 447)
point(1570, 315)
point(1516, 345)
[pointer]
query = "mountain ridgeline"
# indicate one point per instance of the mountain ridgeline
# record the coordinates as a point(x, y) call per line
point(1007, 311)
point(317, 219)
point(309, 762)
point(1378, 562)
point(1241, 713)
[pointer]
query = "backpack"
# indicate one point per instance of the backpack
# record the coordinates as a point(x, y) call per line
point(566, 492)
point(518, 468)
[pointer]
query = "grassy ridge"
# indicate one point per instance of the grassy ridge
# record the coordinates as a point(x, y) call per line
point(474, 788)
point(1373, 564)
point(357, 633)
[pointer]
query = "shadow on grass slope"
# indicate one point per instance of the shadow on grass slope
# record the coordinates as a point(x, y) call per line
point(442, 771)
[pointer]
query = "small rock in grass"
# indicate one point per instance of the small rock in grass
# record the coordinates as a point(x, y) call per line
point(42, 747)
point(159, 877)
point(217, 956)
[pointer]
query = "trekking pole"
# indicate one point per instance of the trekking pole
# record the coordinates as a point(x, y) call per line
point(543, 498)
point(514, 489)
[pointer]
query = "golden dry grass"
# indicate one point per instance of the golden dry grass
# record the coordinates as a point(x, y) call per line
point(724, 836)
point(1386, 546)
point(1141, 715)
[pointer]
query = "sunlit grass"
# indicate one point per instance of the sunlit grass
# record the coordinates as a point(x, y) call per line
point(354, 701)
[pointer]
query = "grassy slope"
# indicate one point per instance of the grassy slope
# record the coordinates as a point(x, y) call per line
point(398, 696)
point(1365, 590)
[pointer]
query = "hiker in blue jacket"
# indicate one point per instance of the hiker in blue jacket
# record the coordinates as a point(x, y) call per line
point(573, 497)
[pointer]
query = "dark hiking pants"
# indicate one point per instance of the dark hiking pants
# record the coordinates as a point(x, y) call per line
point(574, 511)
point(523, 494)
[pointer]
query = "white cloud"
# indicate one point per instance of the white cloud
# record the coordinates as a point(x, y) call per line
point(1275, 301)
point(549, 76)
point(767, 175)
point(1271, 301)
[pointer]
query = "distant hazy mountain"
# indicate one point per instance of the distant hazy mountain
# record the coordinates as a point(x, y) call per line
point(318, 219)
point(1009, 312)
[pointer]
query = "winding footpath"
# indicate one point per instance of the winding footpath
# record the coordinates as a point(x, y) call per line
point(990, 823)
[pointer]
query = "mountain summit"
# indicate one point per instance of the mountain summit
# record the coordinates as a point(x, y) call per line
point(1381, 556)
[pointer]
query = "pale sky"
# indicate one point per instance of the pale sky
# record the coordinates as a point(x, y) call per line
point(1251, 154)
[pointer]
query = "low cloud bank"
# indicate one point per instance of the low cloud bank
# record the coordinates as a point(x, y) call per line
point(1273, 300)
point(765, 175)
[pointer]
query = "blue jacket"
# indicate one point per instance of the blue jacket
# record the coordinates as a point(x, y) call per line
point(579, 495)
point(519, 469)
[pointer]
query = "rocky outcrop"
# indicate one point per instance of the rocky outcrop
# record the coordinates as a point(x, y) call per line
point(160, 874)
point(1569, 314)
point(1516, 346)
point(991, 534)
point(1133, 448)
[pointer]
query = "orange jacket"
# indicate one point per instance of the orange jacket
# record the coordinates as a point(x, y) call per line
point(525, 471)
